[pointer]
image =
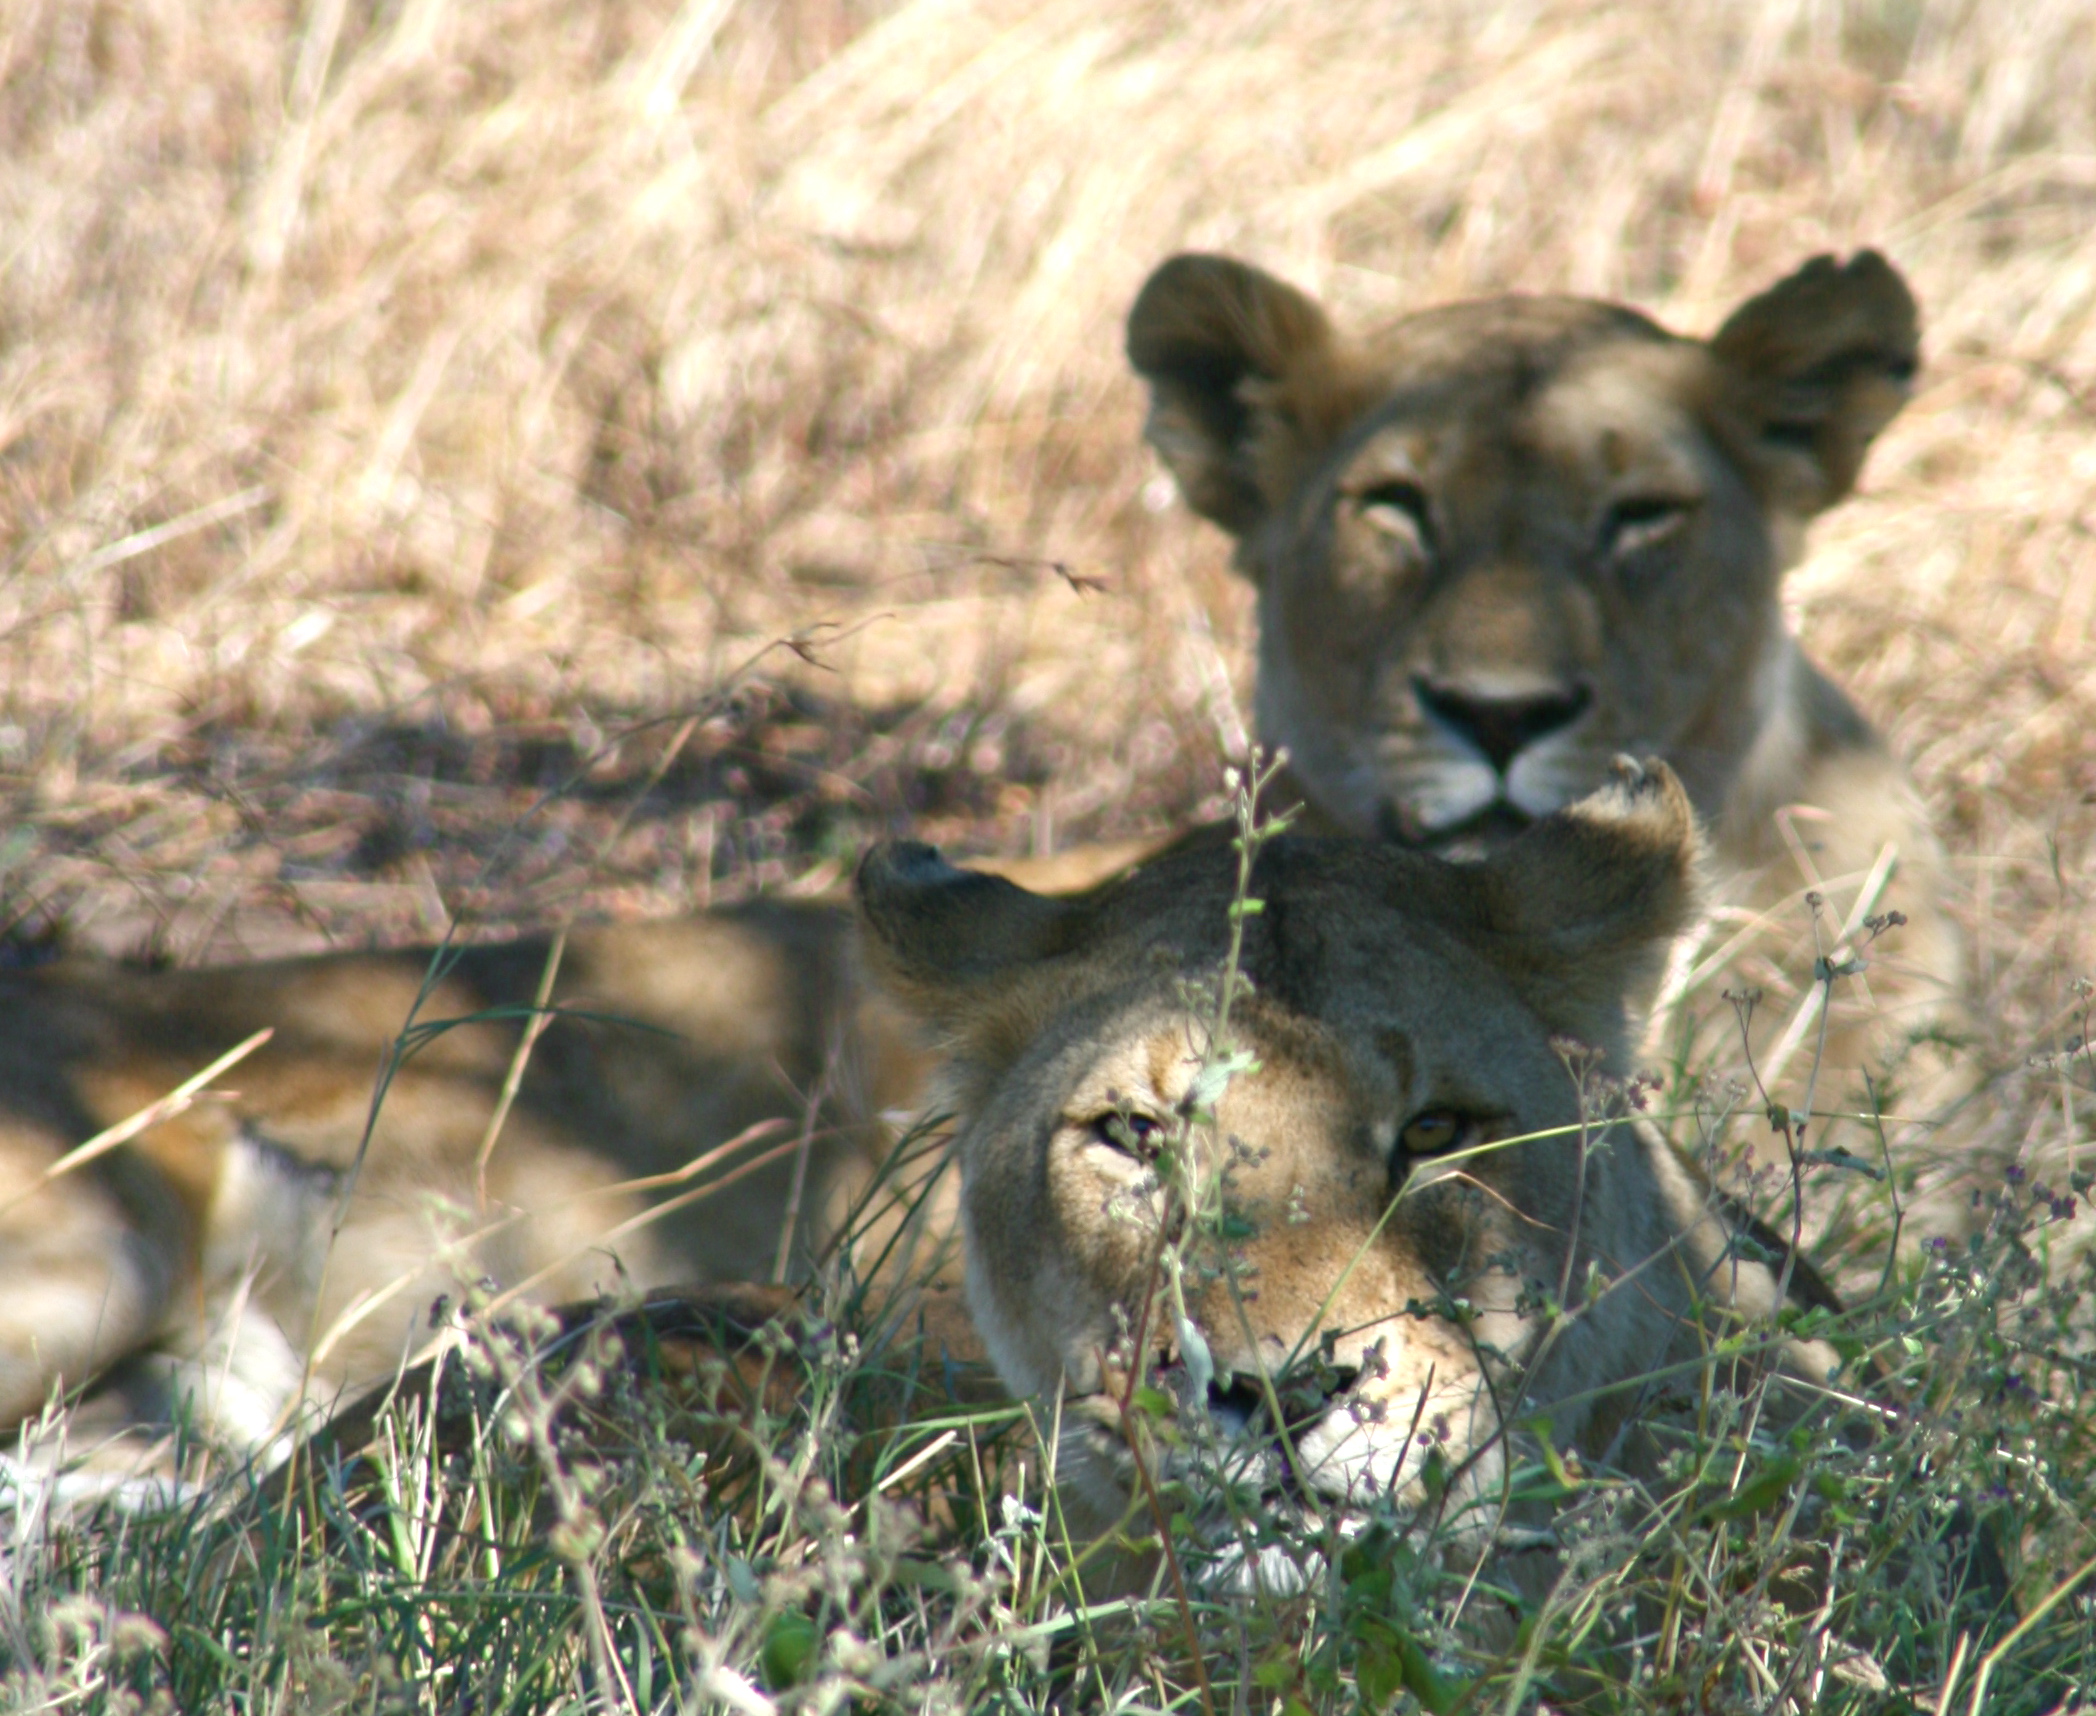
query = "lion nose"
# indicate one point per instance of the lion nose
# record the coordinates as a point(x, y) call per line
point(1501, 727)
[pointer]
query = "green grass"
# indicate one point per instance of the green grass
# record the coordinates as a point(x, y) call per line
point(662, 1506)
point(585, 1528)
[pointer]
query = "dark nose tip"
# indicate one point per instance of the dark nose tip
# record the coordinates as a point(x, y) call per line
point(1501, 727)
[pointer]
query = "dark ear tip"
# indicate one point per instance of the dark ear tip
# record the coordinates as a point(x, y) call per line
point(1826, 287)
point(901, 863)
point(1864, 267)
point(1155, 334)
point(1873, 271)
point(1185, 266)
point(1182, 263)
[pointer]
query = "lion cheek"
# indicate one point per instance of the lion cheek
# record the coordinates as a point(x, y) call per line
point(1045, 1324)
point(1020, 1352)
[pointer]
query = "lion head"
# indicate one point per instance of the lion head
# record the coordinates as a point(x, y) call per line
point(1503, 541)
point(1392, 1217)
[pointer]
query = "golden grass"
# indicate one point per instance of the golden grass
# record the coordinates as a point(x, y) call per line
point(397, 402)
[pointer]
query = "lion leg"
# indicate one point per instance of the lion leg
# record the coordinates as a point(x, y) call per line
point(87, 1280)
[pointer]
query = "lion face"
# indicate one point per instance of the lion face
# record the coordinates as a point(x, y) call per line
point(1507, 540)
point(1400, 1187)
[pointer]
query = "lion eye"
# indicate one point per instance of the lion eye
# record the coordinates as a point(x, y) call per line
point(1398, 510)
point(1138, 1135)
point(1436, 1131)
point(1640, 522)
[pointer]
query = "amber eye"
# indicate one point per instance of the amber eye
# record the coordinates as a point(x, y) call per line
point(1639, 522)
point(1138, 1135)
point(1436, 1131)
point(1398, 510)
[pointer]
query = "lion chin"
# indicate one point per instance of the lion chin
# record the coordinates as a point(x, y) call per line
point(1470, 836)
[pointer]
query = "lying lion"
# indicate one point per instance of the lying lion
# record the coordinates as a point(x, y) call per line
point(1502, 541)
point(1409, 1190)
point(289, 1229)
point(1405, 1215)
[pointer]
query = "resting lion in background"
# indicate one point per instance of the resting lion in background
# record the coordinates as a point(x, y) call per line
point(206, 1247)
point(1406, 1187)
point(1499, 542)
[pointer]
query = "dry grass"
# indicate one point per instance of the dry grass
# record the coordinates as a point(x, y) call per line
point(400, 402)
point(396, 401)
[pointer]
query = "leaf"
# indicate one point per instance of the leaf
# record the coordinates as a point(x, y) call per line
point(1154, 1401)
point(1838, 1158)
point(1764, 1491)
point(1194, 1354)
point(1275, 1672)
point(1378, 1673)
point(1214, 1078)
point(1558, 1470)
point(927, 1576)
point(1426, 1683)
point(789, 1649)
point(1390, 1659)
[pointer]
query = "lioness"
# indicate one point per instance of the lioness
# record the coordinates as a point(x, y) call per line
point(708, 1100)
point(259, 1226)
point(1491, 547)
point(1501, 541)
point(1408, 1189)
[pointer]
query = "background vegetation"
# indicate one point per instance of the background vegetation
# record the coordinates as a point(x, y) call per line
point(405, 407)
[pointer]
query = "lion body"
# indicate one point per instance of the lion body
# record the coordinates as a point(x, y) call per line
point(211, 1235)
point(288, 1231)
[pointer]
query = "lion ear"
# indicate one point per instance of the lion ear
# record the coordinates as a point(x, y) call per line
point(1813, 369)
point(1581, 910)
point(1219, 342)
point(941, 937)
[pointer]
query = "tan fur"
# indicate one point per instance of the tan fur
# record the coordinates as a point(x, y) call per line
point(1500, 542)
point(1388, 985)
point(685, 1033)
